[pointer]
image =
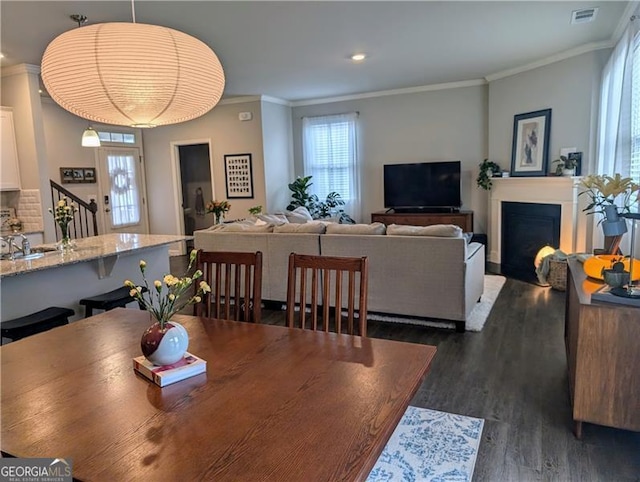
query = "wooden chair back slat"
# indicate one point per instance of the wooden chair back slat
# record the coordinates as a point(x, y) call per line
point(235, 279)
point(327, 292)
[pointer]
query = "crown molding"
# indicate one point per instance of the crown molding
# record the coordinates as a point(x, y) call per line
point(240, 100)
point(20, 69)
point(583, 49)
point(276, 100)
point(384, 93)
point(624, 21)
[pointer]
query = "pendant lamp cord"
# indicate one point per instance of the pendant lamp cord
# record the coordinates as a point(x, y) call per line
point(133, 11)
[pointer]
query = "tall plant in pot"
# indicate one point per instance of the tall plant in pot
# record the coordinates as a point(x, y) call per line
point(610, 196)
point(330, 207)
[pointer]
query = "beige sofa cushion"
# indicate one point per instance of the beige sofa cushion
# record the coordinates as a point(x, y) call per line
point(439, 230)
point(308, 228)
point(366, 229)
point(241, 228)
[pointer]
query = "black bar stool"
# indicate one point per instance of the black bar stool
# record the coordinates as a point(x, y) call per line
point(117, 298)
point(35, 323)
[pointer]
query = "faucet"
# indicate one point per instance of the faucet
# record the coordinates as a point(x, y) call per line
point(24, 248)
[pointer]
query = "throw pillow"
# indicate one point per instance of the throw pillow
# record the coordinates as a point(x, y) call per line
point(275, 219)
point(439, 230)
point(367, 229)
point(302, 211)
point(308, 228)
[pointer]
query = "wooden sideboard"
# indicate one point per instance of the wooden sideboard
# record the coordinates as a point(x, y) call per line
point(464, 219)
point(603, 357)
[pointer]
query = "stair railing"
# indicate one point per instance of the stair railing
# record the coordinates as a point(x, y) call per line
point(84, 222)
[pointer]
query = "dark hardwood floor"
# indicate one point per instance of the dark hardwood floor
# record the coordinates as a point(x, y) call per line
point(514, 375)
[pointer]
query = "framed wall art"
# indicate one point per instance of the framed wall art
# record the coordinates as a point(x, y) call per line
point(77, 175)
point(530, 148)
point(239, 176)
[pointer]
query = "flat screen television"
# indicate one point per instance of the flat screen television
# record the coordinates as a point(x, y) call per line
point(422, 186)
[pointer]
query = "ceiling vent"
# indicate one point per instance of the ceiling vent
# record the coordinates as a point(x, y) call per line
point(583, 16)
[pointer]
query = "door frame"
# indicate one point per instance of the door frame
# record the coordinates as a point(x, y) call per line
point(176, 175)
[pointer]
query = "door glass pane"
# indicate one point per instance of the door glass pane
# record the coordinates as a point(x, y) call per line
point(124, 198)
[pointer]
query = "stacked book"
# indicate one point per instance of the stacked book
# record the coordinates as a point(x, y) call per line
point(189, 366)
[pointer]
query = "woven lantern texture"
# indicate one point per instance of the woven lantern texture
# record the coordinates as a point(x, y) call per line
point(132, 74)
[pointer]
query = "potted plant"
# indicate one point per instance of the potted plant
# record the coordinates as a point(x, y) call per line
point(610, 196)
point(330, 207)
point(566, 166)
point(488, 169)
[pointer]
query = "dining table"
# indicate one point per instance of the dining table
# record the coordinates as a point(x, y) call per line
point(275, 403)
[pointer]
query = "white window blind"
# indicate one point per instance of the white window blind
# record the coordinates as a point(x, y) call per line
point(330, 156)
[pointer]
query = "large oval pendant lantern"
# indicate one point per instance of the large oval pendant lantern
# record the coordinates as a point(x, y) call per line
point(132, 74)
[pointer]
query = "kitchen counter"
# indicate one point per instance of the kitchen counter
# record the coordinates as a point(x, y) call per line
point(98, 264)
point(87, 249)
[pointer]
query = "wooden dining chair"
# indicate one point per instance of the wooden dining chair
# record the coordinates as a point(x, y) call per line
point(235, 279)
point(322, 278)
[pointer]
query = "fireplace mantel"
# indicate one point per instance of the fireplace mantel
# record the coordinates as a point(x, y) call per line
point(561, 190)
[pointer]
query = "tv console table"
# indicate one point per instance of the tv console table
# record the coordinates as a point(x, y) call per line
point(464, 219)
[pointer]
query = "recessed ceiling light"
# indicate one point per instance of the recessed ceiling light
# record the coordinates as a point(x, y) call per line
point(358, 57)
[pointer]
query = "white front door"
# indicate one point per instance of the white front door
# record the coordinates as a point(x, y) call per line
point(122, 205)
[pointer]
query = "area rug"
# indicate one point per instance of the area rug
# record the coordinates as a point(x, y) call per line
point(428, 445)
point(478, 317)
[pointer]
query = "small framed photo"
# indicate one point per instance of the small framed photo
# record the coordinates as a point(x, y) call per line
point(78, 175)
point(576, 156)
point(66, 175)
point(530, 148)
point(239, 176)
point(89, 174)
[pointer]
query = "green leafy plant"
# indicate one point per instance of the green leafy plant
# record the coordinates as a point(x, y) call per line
point(565, 163)
point(487, 169)
point(330, 207)
point(255, 210)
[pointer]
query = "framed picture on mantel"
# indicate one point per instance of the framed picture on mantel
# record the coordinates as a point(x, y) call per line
point(530, 148)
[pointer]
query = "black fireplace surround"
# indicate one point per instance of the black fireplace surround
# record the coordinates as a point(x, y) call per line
point(527, 227)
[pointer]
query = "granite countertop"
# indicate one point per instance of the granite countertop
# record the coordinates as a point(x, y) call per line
point(87, 249)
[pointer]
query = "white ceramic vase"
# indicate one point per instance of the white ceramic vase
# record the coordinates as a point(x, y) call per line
point(164, 346)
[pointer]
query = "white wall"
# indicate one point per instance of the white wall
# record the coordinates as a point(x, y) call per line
point(439, 125)
point(570, 88)
point(228, 135)
point(278, 155)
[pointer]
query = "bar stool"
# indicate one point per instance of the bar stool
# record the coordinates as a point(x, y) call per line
point(117, 298)
point(35, 323)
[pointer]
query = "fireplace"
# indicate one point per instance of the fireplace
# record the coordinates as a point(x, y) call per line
point(559, 191)
point(527, 227)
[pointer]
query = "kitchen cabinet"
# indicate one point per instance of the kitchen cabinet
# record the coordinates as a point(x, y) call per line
point(9, 169)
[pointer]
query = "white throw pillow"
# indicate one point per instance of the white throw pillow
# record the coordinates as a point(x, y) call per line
point(439, 230)
point(275, 219)
point(367, 229)
point(302, 211)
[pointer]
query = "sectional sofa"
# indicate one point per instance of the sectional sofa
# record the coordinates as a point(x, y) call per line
point(417, 272)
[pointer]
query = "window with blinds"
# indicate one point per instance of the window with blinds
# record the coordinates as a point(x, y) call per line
point(329, 150)
point(635, 112)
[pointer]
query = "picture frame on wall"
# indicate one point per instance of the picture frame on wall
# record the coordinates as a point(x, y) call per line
point(238, 176)
point(530, 147)
point(77, 175)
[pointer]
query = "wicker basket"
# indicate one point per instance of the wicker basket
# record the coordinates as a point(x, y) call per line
point(558, 274)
